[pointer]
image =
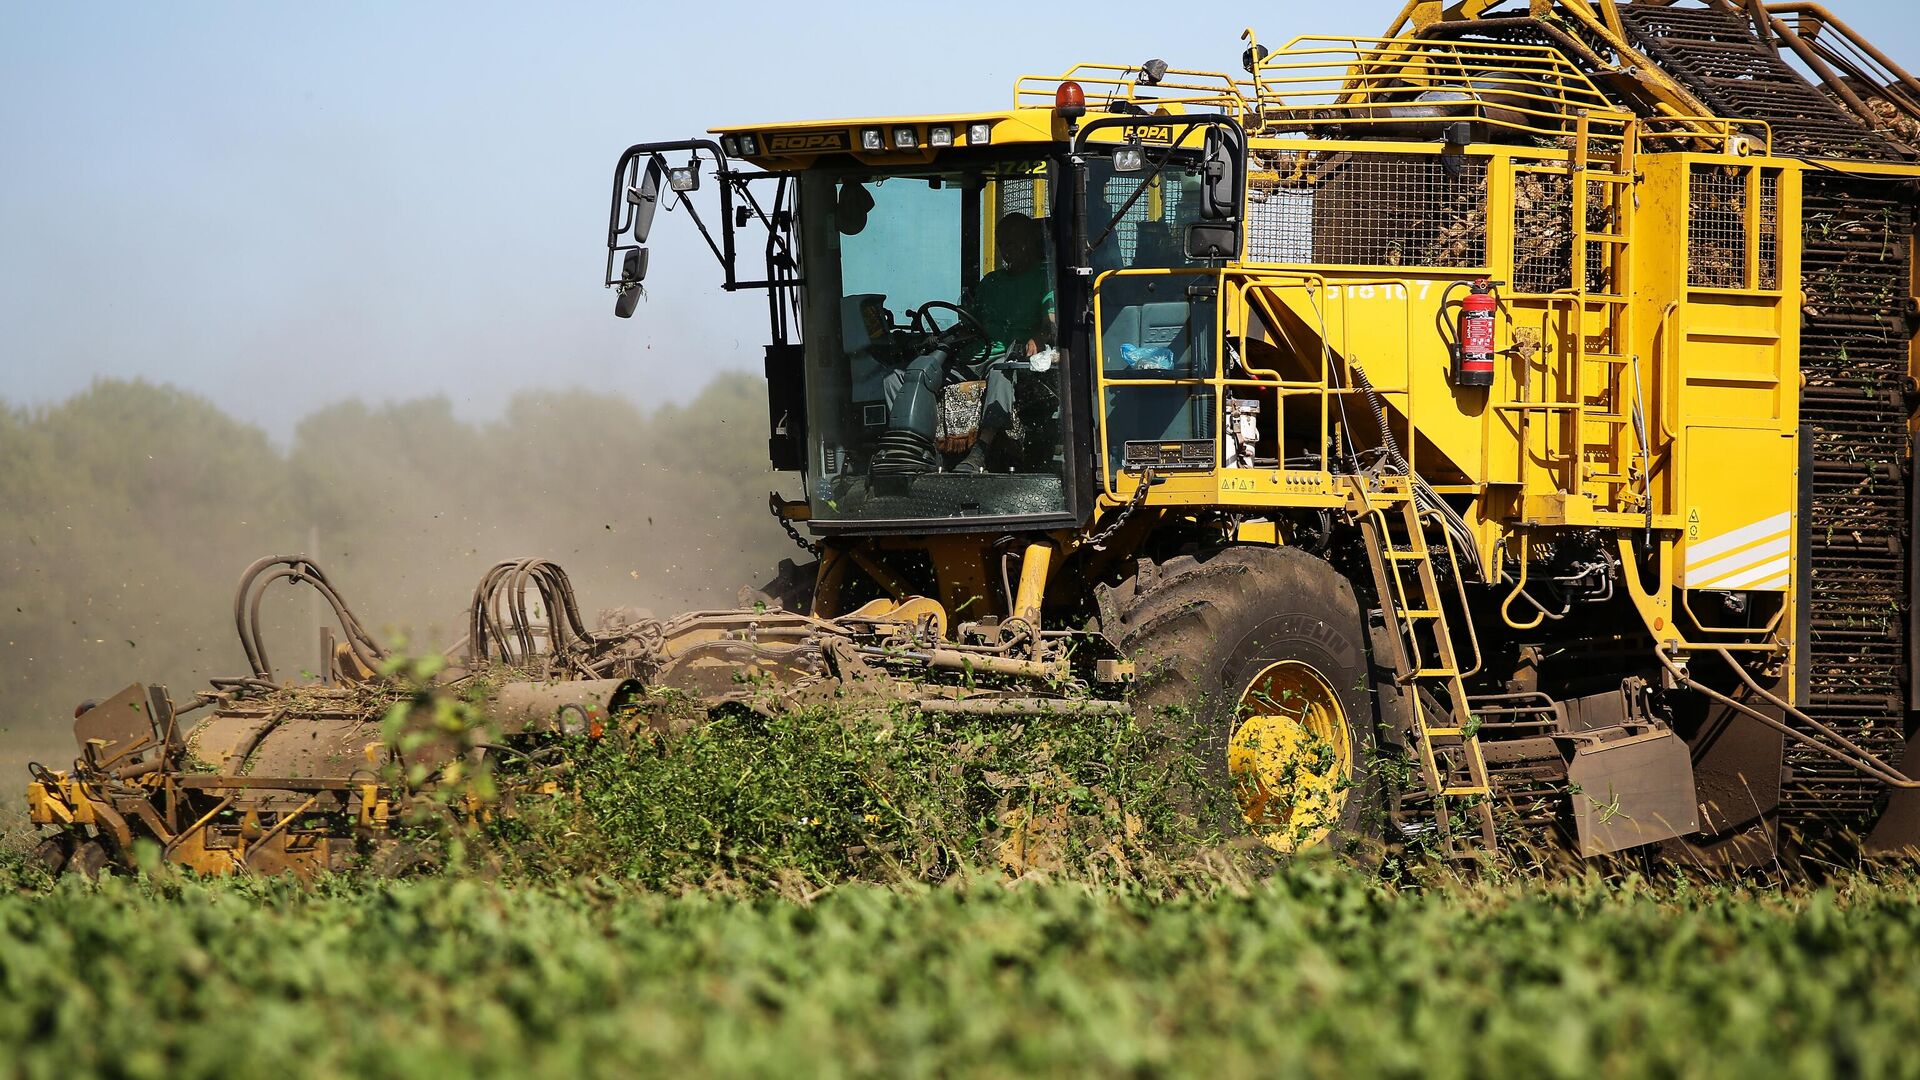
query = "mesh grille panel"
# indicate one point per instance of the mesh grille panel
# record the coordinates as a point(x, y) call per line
point(1160, 232)
point(1542, 232)
point(1016, 196)
point(1768, 242)
point(1370, 209)
point(1717, 227)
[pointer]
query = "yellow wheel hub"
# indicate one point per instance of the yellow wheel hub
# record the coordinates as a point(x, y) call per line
point(1291, 756)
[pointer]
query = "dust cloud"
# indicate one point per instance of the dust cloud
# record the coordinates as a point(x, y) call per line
point(132, 508)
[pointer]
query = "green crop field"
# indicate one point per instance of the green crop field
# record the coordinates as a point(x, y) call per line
point(803, 896)
point(1315, 971)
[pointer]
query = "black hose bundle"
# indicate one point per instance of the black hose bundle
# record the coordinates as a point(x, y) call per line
point(502, 625)
point(1428, 499)
point(298, 569)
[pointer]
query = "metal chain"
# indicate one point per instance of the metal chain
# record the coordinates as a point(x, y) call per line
point(806, 545)
point(1098, 540)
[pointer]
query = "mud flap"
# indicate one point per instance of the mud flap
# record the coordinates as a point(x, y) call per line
point(116, 725)
point(1631, 790)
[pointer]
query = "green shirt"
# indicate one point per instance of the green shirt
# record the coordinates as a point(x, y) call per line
point(1013, 307)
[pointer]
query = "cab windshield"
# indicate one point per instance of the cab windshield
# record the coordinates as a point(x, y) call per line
point(934, 382)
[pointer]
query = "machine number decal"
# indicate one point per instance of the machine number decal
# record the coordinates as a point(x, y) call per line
point(1380, 291)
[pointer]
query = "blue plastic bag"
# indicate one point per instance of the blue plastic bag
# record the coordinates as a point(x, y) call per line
point(1146, 357)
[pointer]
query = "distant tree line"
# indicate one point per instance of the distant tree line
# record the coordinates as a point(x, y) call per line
point(128, 511)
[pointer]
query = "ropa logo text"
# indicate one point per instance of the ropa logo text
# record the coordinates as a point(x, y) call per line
point(807, 142)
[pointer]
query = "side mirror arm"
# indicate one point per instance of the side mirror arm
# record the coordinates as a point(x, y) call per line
point(637, 189)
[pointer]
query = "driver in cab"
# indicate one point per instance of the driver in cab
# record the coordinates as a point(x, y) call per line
point(1015, 308)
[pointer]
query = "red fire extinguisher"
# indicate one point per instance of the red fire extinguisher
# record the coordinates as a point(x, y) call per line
point(1473, 335)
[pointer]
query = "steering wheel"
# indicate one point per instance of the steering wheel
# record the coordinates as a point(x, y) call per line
point(966, 323)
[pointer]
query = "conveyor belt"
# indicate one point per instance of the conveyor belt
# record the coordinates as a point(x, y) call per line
point(1715, 54)
point(1853, 357)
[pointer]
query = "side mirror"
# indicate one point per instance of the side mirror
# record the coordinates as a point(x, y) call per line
point(645, 198)
point(1213, 240)
point(633, 271)
point(1219, 176)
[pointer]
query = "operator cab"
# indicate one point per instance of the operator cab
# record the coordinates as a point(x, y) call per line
point(934, 374)
point(941, 312)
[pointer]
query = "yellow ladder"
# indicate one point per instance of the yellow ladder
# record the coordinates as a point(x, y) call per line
point(1606, 373)
point(1425, 662)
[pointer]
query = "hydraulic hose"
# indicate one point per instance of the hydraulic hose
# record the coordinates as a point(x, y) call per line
point(1865, 761)
point(1424, 495)
point(297, 569)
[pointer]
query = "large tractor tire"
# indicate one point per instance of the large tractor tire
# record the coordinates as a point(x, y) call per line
point(1254, 660)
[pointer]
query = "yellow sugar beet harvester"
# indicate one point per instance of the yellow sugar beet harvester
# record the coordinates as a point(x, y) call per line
point(1504, 419)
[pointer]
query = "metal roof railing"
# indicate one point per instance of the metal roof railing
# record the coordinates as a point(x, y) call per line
point(1410, 82)
point(1121, 88)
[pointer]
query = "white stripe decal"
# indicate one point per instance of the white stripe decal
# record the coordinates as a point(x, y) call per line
point(1746, 578)
point(1776, 585)
point(1700, 575)
point(1700, 551)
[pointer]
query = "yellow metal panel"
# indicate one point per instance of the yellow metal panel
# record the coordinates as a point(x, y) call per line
point(1258, 532)
point(960, 568)
point(1034, 565)
point(1739, 515)
point(1733, 363)
point(44, 807)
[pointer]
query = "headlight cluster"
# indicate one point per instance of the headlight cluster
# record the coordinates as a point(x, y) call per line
point(904, 137)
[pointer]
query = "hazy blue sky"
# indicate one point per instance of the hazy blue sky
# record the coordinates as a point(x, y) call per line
point(281, 206)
